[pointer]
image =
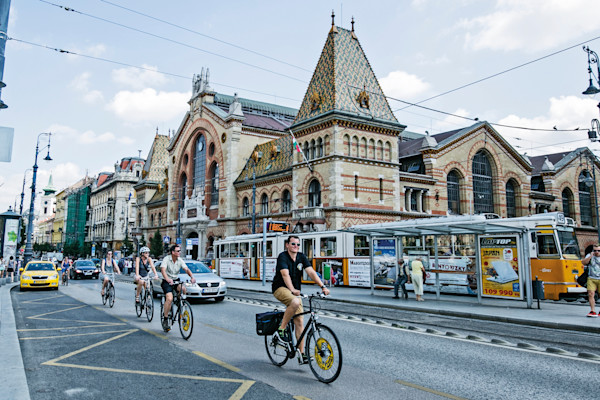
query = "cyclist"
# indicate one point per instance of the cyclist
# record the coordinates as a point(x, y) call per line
point(143, 264)
point(65, 267)
point(286, 287)
point(170, 267)
point(108, 265)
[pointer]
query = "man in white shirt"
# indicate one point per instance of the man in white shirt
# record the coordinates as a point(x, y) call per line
point(170, 267)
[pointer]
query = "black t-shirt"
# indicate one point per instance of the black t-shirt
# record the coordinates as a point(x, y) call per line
point(284, 261)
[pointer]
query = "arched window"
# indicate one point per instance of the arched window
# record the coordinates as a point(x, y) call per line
point(379, 150)
point(182, 189)
point(585, 203)
point(453, 192)
point(214, 185)
point(313, 149)
point(245, 207)
point(159, 219)
point(264, 204)
point(152, 220)
point(314, 193)
point(320, 147)
point(286, 201)
point(200, 163)
point(363, 147)
point(354, 151)
point(511, 199)
point(388, 151)
point(348, 145)
point(371, 149)
point(537, 184)
point(567, 202)
point(483, 197)
point(306, 151)
point(139, 221)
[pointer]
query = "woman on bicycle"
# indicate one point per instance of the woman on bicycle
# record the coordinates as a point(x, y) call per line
point(143, 264)
point(65, 266)
point(108, 266)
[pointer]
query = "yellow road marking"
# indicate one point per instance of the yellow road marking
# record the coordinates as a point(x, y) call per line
point(159, 335)
point(219, 328)
point(412, 385)
point(56, 312)
point(43, 298)
point(121, 319)
point(238, 394)
point(70, 335)
point(70, 327)
point(301, 398)
point(216, 361)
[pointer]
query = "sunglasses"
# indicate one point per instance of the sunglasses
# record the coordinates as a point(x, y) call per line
point(298, 245)
point(596, 250)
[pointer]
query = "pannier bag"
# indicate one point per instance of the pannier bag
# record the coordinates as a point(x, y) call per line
point(267, 323)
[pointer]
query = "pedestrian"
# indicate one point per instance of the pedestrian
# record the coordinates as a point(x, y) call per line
point(401, 279)
point(592, 261)
point(2, 267)
point(416, 275)
point(10, 268)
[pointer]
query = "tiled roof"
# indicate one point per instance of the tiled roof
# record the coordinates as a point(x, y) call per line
point(558, 159)
point(159, 196)
point(342, 77)
point(272, 162)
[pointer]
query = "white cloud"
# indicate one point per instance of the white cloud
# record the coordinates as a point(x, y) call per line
point(530, 25)
point(96, 50)
point(67, 134)
point(81, 83)
point(148, 105)
point(138, 79)
point(403, 85)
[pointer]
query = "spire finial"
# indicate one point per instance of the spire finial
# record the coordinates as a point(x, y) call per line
point(353, 23)
point(157, 130)
point(332, 18)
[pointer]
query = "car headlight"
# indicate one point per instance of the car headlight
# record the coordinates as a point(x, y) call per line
point(54, 276)
point(188, 284)
point(96, 270)
point(78, 271)
point(222, 284)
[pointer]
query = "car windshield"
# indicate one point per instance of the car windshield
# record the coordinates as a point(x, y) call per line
point(40, 267)
point(85, 263)
point(197, 268)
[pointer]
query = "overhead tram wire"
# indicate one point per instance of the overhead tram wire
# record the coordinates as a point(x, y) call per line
point(69, 52)
point(499, 73)
point(205, 35)
point(174, 41)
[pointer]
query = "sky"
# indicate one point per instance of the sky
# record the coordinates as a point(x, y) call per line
point(132, 70)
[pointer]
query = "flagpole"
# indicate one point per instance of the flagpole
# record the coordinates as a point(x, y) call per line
point(295, 143)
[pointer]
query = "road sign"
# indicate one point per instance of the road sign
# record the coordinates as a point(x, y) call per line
point(166, 239)
point(178, 241)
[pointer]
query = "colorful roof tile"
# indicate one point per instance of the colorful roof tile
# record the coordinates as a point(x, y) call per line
point(277, 157)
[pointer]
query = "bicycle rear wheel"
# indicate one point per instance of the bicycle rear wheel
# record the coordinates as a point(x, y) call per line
point(186, 319)
point(149, 306)
point(276, 350)
point(325, 353)
point(139, 305)
point(111, 295)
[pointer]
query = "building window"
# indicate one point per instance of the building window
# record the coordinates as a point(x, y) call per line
point(200, 164)
point(585, 204)
point(313, 149)
point(414, 201)
point(537, 184)
point(245, 207)
point(286, 201)
point(182, 189)
point(380, 189)
point(511, 199)
point(413, 165)
point(306, 151)
point(159, 219)
point(453, 192)
point(214, 185)
point(314, 194)
point(151, 220)
point(264, 204)
point(567, 201)
point(320, 147)
point(356, 186)
point(483, 198)
point(139, 221)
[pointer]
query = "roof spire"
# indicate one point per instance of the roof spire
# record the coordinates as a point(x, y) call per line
point(352, 23)
point(333, 28)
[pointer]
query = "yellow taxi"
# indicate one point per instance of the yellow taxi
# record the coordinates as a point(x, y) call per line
point(39, 274)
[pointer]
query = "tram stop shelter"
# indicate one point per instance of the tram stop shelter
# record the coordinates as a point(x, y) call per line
point(502, 257)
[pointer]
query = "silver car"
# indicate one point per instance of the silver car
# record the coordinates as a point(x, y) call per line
point(208, 285)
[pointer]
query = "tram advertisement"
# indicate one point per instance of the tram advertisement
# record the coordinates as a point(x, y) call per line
point(500, 275)
point(384, 261)
point(359, 272)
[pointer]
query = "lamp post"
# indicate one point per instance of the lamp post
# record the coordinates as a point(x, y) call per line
point(23, 191)
point(28, 246)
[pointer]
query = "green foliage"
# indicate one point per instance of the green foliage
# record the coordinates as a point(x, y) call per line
point(126, 247)
point(72, 249)
point(43, 247)
point(156, 246)
point(142, 242)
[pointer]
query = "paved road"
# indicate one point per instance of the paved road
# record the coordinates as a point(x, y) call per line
point(75, 350)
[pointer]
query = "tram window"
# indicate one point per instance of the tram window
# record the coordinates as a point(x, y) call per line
point(244, 249)
point(225, 250)
point(269, 248)
point(568, 243)
point(546, 245)
point(234, 250)
point(307, 248)
point(361, 245)
point(328, 246)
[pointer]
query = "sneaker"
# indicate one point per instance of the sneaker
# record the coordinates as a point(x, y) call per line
point(592, 314)
point(303, 359)
point(282, 335)
point(165, 325)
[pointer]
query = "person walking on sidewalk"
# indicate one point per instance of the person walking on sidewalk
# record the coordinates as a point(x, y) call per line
point(2, 267)
point(10, 269)
point(592, 261)
point(416, 274)
point(401, 279)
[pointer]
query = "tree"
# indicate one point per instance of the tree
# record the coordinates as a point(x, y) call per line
point(142, 242)
point(156, 247)
point(127, 246)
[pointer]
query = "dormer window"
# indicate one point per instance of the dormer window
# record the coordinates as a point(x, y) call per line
point(363, 99)
point(315, 101)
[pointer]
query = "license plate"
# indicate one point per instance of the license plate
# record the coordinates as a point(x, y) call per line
point(39, 282)
point(87, 273)
point(208, 291)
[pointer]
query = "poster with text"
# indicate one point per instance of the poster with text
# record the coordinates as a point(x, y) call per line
point(271, 264)
point(232, 268)
point(336, 272)
point(384, 261)
point(11, 231)
point(359, 272)
point(500, 270)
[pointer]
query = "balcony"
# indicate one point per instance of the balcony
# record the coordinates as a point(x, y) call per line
point(308, 213)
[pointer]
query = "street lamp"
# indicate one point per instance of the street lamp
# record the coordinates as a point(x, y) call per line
point(589, 182)
point(28, 246)
point(592, 59)
point(23, 191)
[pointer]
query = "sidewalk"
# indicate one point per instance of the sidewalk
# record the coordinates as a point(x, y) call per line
point(553, 314)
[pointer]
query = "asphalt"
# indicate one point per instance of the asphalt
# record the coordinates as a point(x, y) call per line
point(552, 314)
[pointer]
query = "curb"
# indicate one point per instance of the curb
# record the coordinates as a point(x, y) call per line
point(458, 314)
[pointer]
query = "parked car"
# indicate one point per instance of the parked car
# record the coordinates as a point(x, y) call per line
point(84, 269)
point(208, 285)
point(39, 274)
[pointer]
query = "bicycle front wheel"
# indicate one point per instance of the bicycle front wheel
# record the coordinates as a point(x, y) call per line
point(111, 295)
point(325, 353)
point(186, 319)
point(276, 350)
point(149, 306)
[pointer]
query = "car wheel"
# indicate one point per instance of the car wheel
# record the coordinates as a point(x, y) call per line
point(219, 299)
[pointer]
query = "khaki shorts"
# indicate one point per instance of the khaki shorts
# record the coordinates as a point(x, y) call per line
point(285, 296)
point(593, 284)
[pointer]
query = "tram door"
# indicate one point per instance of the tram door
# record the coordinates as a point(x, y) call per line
point(254, 256)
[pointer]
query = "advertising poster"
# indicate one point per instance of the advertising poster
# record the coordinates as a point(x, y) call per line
point(232, 269)
point(11, 231)
point(359, 272)
point(271, 264)
point(500, 275)
point(336, 273)
point(384, 261)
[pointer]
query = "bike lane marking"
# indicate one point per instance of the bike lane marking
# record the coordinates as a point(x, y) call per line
point(425, 389)
point(217, 361)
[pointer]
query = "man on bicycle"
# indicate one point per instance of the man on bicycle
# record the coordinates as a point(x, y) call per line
point(286, 287)
point(108, 266)
point(65, 267)
point(143, 264)
point(170, 267)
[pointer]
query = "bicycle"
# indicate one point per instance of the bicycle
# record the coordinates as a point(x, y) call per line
point(65, 278)
point(181, 311)
point(322, 345)
point(146, 301)
point(109, 290)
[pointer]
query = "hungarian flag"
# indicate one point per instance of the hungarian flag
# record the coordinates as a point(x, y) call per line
point(296, 146)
